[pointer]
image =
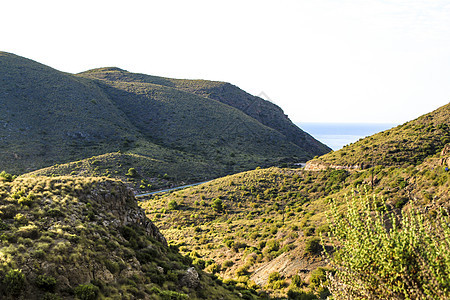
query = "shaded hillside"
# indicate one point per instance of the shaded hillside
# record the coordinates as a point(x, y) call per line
point(185, 121)
point(263, 111)
point(50, 117)
point(86, 238)
point(410, 143)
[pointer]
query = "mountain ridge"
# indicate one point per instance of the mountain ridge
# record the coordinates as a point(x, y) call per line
point(262, 110)
point(51, 117)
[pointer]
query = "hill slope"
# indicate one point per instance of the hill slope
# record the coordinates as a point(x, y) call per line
point(53, 117)
point(250, 226)
point(49, 117)
point(86, 237)
point(409, 143)
point(263, 111)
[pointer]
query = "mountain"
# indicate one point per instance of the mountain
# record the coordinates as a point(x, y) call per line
point(263, 111)
point(262, 227)
point(49, 117)
point(86, 238)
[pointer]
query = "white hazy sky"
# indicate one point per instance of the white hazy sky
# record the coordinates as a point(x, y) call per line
point(320, 60)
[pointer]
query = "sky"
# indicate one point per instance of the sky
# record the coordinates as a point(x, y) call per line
point(348, 61)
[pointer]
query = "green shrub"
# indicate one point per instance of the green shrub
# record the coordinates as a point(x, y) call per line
point(132, 172)
point(274, 276)
point(14, 282)
point(50, 296)
point(272, 246)
point(226, 264)
point(409, 259)
point(173, 205)
point(312, 246)
point(275, 281)
point(26, 201)
point(6, 177)
point(87, 292)
point(318, 278)
point(218, 205)
point(298, 294)
point(242, 270)
point(213, 268)
point(20, 219)
point(296, 281)
point(55, 213)
point(46, 282)
point(112, 266)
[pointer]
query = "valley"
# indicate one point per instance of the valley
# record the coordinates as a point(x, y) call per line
point(119, 185)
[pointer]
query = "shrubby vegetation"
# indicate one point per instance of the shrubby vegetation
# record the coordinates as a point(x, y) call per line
point(407, 144)
point(382, 255)
point(273, 214)
point(86, 237)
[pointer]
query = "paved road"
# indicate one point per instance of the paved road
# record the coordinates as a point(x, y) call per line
point(171, 189)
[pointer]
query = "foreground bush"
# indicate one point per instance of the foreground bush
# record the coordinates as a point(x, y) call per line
point(409, 259)
point(87, 292)
point(14, 282)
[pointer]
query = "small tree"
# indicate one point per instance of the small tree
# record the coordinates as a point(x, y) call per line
point(218, 205)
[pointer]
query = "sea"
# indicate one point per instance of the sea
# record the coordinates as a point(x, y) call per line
point(338, 135)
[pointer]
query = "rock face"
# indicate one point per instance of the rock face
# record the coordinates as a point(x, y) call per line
point(190, 278)
point(120, 201)
point(77, 230)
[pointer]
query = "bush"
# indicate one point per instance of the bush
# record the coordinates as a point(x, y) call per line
point(409, 259)
point(3, 226)
point(296, 281)
point(20, 219)
point(218, 205)
point(312, 246)
point(319, 282)
point(309, 231)
point(173, 205)
point(86, 292)
point(272, 246)
point(46, 283)
point(112, 266)
point(132, 172)
point(275, 281)
point(6, 177)
point(298, 294)
point(14, 282)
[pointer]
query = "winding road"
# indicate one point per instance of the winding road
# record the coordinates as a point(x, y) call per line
point(171, 189)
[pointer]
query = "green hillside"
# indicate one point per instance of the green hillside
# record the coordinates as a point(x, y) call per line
point(49, 117)
point(86, 238)
point(249, 227)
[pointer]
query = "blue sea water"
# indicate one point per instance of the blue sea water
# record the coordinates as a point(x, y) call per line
point(337, 135)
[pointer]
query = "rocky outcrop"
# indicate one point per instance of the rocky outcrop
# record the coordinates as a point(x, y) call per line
point(119, 200)
point(190, 278)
